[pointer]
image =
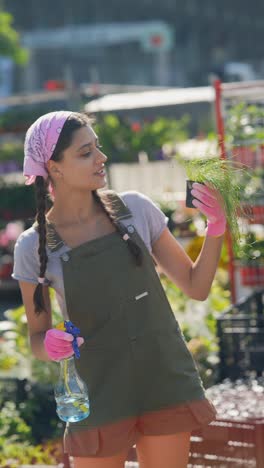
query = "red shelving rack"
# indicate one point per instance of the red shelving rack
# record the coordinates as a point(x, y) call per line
point(247, 152)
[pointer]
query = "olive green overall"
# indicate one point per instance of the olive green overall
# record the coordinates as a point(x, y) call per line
point(134, 358)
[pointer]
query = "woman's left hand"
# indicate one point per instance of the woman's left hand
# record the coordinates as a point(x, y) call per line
point(207, 200)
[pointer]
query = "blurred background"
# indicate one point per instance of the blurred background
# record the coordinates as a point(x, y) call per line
point(168, 83)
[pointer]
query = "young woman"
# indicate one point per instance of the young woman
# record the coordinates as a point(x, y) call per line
point(96, 248)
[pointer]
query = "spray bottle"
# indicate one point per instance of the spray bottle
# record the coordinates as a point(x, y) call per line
point(70, 391)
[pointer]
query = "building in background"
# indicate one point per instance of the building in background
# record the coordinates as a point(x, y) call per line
point(136, 53)
point(205, 37)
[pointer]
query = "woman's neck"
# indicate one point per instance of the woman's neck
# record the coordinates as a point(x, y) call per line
point(74, 210)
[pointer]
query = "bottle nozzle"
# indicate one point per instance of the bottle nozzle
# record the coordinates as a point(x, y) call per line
point(69, 327)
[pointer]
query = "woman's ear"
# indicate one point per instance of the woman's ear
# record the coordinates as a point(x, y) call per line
point(53, 169)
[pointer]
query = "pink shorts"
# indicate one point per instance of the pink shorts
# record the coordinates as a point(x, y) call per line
point(113, 438)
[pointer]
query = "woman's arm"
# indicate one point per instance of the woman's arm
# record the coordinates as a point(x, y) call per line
point(37, 324)
point(194, 278)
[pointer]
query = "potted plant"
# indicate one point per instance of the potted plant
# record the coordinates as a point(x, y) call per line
point(226, 178)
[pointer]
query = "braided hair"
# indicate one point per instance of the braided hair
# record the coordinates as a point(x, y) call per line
point(74, 122)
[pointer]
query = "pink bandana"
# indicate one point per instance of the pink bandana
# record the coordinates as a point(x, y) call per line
point(40, 141)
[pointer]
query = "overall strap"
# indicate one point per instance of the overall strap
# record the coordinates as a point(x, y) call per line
point(117, 205)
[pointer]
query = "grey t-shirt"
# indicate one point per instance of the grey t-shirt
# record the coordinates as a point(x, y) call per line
point(147, 218)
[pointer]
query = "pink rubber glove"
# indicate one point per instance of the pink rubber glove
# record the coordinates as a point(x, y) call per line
point(208, 203)
point(58, 344)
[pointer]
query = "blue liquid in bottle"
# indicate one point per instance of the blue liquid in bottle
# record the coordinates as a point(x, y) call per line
point(71, 393)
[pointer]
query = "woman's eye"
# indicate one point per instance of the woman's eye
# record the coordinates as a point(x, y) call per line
point(90, 152)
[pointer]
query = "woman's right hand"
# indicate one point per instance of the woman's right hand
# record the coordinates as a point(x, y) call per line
point(58, 344)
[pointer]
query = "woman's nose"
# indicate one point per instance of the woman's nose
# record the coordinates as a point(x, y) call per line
point(100, 156)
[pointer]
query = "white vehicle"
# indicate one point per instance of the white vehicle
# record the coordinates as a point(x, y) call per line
point(238, 71)
point(234, 71)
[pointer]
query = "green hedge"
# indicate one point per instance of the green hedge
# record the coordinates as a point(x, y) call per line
point(19, 118)
point(16, 201)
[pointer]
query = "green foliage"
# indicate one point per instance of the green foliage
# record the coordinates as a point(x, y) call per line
point(204, 353)
point(122, 140)
point(19, 118)
point(251, 250)
point(8, 390)
point(45, 373)
point(38, 410)
point(9, 40)
point(254, 188)
point(198, 322)
point(17, 440)
point(12, 426)
point(33, 403)
point(16, 201)
point(244, 122)
point(13, 344)
point(13, 455)
point(228, 179)
point(219, 299)
point(174, 294)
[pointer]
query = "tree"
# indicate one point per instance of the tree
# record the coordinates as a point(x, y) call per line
point(9, 40)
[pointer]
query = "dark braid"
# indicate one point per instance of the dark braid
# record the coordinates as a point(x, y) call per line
point(41, 196)
point(133, 247)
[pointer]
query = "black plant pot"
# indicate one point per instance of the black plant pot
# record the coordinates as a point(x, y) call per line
point(189, 197)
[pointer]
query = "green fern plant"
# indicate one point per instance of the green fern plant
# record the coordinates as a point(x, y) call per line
point(229, 179)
